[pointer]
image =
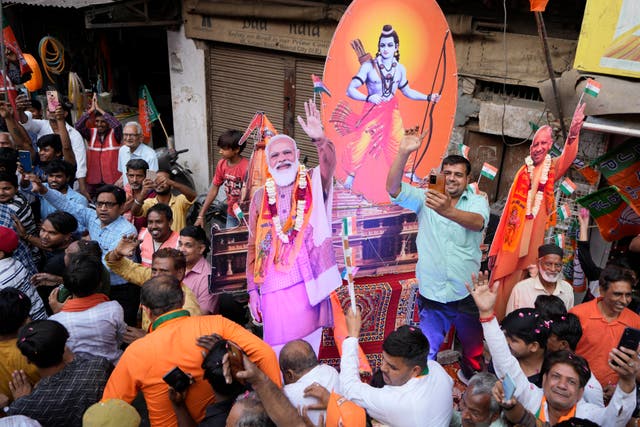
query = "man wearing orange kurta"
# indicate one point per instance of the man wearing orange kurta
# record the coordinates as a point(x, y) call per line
point(530, 208)
point(171, 343)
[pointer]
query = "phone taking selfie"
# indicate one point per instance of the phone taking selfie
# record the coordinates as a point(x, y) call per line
point(177, 379)
point(52, 101)
point(630, 339)
point(151, 175)
point(24, 157)
point(509, 387)
point(436, 182)
point(236, 363)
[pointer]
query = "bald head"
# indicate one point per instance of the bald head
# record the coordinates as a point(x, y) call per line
point(296, 359)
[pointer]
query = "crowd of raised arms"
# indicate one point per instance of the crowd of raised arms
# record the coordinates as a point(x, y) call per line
point(107, 319)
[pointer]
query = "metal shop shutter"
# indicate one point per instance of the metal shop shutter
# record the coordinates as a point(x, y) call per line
point(241, 82)
point(304, 91)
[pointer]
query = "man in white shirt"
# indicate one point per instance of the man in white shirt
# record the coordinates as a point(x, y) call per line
point(547, 282)
point(565, 374)
point(133, 148)
point(300, 369)
point(417, 392)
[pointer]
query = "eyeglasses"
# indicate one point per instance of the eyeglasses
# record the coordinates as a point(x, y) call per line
point(551, 265)
point(130, 135)
point(107, 205)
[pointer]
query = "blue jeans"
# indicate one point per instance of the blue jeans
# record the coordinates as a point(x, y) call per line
point(232, 221)
point(436, 319)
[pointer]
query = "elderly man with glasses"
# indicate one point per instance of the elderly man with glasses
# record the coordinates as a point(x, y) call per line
point(133, 148)
point(547, 282)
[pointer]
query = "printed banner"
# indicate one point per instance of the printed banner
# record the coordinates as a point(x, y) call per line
point(610, 38)
point(612, 213)
point(621, 167)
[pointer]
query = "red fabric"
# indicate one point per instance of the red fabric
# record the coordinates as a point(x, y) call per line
point(85, 303)
point(232, 177)
point(102, 159)
point(387, 302)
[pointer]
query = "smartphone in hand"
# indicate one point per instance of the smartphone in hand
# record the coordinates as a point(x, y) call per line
point(436, 182)
point(52, 101)
point(630, 339)
point(24, 157)
point(509, 387)
point(236, 363)
point(177, 379)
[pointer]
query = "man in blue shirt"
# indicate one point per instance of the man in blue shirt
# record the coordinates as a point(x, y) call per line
point(107, 227)
point(450, 228)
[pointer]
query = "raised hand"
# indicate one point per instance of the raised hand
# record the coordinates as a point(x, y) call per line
point(313, 126)
point(411, 141)
point(127, 246)
point(483, 293)
point(434, 97)
point(5, 110)
point(59, 114)
point(36, 183)
point(576, 122)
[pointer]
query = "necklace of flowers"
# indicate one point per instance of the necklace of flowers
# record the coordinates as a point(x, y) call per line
point(300, 200)
point(539, 194)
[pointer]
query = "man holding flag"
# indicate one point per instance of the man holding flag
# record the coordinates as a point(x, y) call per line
point(291, 266)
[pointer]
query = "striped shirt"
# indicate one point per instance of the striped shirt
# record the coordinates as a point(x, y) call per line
point(14, 275)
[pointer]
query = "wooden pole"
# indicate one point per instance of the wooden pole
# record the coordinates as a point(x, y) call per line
point(542, 32)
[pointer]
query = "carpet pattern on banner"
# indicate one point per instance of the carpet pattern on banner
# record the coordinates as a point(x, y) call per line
point(386, 302)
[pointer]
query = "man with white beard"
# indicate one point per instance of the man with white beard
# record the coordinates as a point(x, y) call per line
point(547, 282)
point(291, 267)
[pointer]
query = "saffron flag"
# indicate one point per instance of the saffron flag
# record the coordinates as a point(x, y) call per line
point(489, 171)
point(537, 5)
point(621, 167)
point(319, 86)
point(564, 212)
point(12, 44)
point(615, 218)
point(464, 150)
point(147, 111)
point(592, 88)
point(567, 186)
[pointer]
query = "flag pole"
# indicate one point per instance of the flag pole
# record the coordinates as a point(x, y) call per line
point(479, 178)
point(161, 124)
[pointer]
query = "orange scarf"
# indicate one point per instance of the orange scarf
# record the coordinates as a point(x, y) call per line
point(541, 416)
point(269, 248)
point(85, 303)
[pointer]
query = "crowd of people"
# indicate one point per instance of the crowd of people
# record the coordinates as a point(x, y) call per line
point(106, 316)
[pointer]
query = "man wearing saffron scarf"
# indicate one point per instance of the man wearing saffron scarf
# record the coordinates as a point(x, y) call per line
point(530, 208)
point(291, 267)
point(95, 324)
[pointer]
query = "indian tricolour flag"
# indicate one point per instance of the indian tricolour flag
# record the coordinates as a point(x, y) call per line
point(558, 239)
point(567, 186)
point(464, 150)
point(592, 88)
point(319, 86)
point(489, 171)
point(349, 226)
point(237, 211)
point(564, 212)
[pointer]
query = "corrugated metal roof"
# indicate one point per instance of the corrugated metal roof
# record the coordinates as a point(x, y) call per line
point(76, 4)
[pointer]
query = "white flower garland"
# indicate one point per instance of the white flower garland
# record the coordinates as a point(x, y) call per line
point(539, 193)
point(270, 187)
